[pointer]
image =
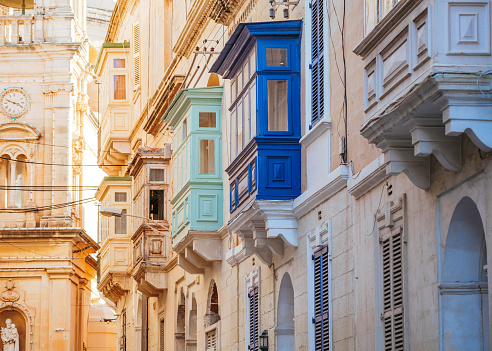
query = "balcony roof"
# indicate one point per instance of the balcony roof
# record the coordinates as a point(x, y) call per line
point(185, 97)
point(106, 46)
point(244, 35)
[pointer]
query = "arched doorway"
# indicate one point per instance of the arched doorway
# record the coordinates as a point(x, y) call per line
point(464, 283)
point(212, 316)
point(285, 315)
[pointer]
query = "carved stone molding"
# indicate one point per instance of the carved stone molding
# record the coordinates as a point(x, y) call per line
point(57, 88)
point(10, 294)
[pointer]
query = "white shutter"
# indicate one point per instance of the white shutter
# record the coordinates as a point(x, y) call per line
point(392, 252)
point(136, 55)
point(212, 340)
point(253, 319)
point(321, 318)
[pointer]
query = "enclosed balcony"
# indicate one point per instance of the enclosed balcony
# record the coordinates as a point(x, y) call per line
point(113, 71)
point(423, 82)
point(262, 63)
point(151, 236)
point(196, 118)
point(115, 256)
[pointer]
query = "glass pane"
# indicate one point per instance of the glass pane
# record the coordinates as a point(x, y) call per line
point(119, 87)
point(277, 105)
point(184, 130)
point(233, 135)
point(233, 90)
point(276, 57)
point(156, 203)
point(119, 63)
point(240, 126)
point(387, 6)
point(120, 223)
point(207, 159)
point(371, 14)
point(206, 120)
point(247, 120)
point(243, 185)
point(156, 175)
point(252, 92)
point(119, 197)
point(239, 81)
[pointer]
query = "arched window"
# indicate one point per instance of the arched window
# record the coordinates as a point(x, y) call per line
point(464, 283)
point(14, 178)
point(285, 315)
point(212, 316)
point(192, 326)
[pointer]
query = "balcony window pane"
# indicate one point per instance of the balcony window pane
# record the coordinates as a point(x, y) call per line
point(119, 63)
point(252, 96)
point(233, 90)
point(233, 135)
point(240, 123)
point(207, 159)
point(156, 175)
point(119, 197)
point(247, 120)
point(207, 120)
point(387, 6)
point(243, 185)
point(276, 57)
point(371, 14)
point(277, 105)
point(120, 223)
point(119, 87)
point(156, 208)
point(184, 130)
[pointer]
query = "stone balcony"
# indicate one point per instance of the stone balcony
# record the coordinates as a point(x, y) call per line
point(151, 253)
point(423, 86)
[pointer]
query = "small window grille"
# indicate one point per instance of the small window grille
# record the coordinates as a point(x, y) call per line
point(119, 197)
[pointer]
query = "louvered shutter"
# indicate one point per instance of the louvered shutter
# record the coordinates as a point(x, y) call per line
point(136, 55)
point(161, 335)
point(321, 318)
point(392, 250)
point(317, 60)
point(253, 319)
point(212, 340)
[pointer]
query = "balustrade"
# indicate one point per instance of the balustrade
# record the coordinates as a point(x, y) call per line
point(21, 29)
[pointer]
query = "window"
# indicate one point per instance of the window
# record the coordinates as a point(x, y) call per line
point(162, 332)
point(392, 254)
point(317, 60)
point(207, 156)
point(206, 120)
point(376, 10)
point(156, 175)
point(119, 197)
point(253, 319)
point(276, 57)
point(136, 55)
point(277, 105)
point(212, 340)
point(119, 63)
point(184, 129)
point(123, 331)
point(120, 223)
point(119, 87)
point(156, 208)
point(321, 318)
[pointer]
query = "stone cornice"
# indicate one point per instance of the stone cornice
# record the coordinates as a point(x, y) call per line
point(194, 27)
point(368, 177)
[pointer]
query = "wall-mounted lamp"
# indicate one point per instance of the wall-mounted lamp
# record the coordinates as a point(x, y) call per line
point(264, 340)
point(285, 11)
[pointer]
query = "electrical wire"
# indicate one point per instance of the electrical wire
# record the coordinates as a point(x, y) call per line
point(60, 164)
point(45, 208)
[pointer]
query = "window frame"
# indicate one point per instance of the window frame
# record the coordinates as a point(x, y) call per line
point(263, 95)
point(274, 44)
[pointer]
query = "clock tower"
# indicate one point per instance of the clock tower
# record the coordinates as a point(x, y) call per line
point(47, 269)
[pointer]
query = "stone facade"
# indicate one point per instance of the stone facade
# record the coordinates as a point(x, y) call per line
point(394, 177)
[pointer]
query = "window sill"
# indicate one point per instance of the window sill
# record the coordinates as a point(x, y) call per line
point(320, 127)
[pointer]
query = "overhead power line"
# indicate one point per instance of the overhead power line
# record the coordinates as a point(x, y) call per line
point(59, 164)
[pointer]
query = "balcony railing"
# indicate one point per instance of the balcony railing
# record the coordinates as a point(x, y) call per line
point(21, 29)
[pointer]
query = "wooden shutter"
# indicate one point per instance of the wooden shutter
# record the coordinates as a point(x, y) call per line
point(161, 334)
point(253, 319)
point(212, 340)
point(317, 60)
point(321, 318)
point(392, 251)
point(136, 55)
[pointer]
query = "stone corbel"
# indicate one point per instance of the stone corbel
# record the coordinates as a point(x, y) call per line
point(471, 115)
point(399, 157)
point(432, 140)
point(280, 221)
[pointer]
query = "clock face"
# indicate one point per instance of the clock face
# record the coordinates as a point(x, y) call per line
point(14, 102)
